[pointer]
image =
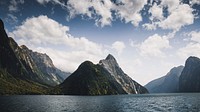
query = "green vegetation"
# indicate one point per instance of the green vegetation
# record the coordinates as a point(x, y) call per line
point(88, 79)
point(11, 86)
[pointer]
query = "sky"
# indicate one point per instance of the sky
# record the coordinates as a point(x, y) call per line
point(147, 37)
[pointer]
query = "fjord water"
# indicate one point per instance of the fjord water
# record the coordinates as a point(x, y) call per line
point(178, 102)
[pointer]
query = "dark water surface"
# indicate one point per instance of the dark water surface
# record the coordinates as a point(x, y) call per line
point(117, 103)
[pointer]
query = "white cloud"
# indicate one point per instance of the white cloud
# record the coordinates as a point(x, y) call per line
point(48, 36)
point(98, 10)
point(101, 10)
point(154, 45)
point(13, 7)
point(118, 46)
point(192, 48)
point(150, 26)
point(195, 36)
point(69, 60)
point(59, 2)
point(157, 12)
point(130, 11)
point(43, 1)
point(79, 8)
point(195, 2)
point(133, 43)
point(170, 4)
point(179, 15)
point(42, 31)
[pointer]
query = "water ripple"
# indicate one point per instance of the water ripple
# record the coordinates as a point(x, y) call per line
point(117, 103)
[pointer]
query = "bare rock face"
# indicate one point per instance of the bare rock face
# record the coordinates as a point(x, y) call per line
point(128, 85)
point(39, 66)
point(190, 76)
point(23, 71)
point(104, 78)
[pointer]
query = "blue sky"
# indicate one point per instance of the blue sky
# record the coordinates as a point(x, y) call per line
point(147, 37)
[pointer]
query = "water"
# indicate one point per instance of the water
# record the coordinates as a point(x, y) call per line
point(117, 103)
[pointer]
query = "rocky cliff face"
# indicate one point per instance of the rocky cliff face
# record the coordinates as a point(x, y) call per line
point(128, 85)
point(190, 77)
point(39, 66)
point(44, 63)
point(166, 84)
point(14, 77)
point(23, 71)
point(104, 78)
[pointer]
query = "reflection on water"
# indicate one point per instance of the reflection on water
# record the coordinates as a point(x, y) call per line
point(118, 103)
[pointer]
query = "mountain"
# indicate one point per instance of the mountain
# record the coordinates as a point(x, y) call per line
point(190, 77)
point(49, 74)
point(13, 75)
point(8, 59)
point(46, 66)
point(166, 84)
point(23, 71)
point(104, 78)
point(39, 66)
point(128, 85)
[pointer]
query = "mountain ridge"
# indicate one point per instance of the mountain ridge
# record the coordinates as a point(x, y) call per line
point(104, 78)
point(38, 65)
point(166, 84)
point(19, 74)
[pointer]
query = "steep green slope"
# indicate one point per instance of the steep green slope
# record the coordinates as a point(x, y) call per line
point(89, 79)
point(11, 86)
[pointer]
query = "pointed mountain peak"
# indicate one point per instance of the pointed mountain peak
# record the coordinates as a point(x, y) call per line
point(1, 24)
point(4, 37)
point(109, 61)
point(23, 47)
point(110, 57)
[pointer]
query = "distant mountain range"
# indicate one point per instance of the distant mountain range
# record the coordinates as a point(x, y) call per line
point(179, 79)
point(104, 78)
point(166, 84)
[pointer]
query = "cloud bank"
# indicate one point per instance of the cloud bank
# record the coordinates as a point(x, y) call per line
point(165, 14)
point(48, 36)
